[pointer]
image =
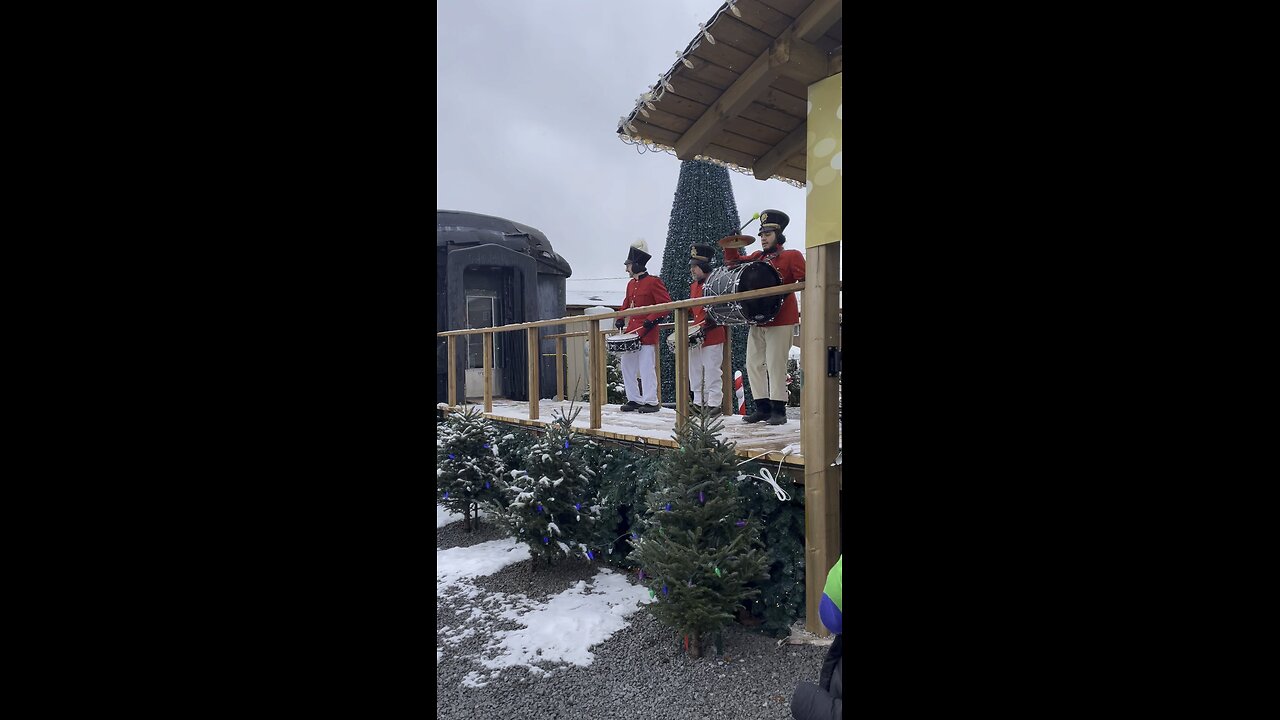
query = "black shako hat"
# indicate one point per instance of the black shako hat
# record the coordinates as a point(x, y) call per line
point(637, 255)
point(705, 253)
point(773, 220)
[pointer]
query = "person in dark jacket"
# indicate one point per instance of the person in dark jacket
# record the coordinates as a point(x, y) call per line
point(824, 701)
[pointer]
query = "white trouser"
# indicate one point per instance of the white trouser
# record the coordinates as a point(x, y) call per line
point(704, 363)
point(767, 349)
point(640, 364)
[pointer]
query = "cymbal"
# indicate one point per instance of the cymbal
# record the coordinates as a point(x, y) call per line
point(736, 241)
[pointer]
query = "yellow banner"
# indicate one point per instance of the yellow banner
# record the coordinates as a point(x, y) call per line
point(824, 163)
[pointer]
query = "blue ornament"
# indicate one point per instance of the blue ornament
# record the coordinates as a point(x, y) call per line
point(539, 508)
point(664, 589)
point(566, 444)
point(486, 484)
point(668, 507)
point(486, 446)
point(577, 506)
point(545, 540)
point(590, 556)
point(446, 494)
point(450, 456)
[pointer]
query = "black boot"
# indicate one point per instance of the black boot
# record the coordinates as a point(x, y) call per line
point(629, 406)
point(779, 416)
point(761, 412)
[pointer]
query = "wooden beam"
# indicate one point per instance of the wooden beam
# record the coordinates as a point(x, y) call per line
point(560, 359)
point(657, 366)
point(488, 372)
point(819, 429)
point(645, 310)
point(794, 45)
point(682, 366)
point(599, 361)
point(593, 381)
point(814, 22)
point(453, 372)
point(804, 62)
point(768, 165)
point(535, 360)
point(726, 372)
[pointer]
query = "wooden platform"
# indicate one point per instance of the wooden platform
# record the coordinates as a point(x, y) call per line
point(772, 443)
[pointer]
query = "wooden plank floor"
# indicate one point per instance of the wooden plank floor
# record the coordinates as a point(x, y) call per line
point(772, 443)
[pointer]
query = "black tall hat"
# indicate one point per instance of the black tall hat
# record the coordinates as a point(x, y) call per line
point(705, 253)
point(773, 220)
point(637, 255)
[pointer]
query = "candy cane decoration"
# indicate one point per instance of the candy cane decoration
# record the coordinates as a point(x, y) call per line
point(739, 393)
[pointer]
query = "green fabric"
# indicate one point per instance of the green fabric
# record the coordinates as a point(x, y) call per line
point(835, 583)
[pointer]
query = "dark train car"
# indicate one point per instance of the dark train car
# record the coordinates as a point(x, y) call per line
point(492, 271)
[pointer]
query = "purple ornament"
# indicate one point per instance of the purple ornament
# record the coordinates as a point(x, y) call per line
point(700, 498)
point(486, 484)
point(446, 494)
point(566, 444)
point(486, 446)
point(741, 523)
point(641, 574)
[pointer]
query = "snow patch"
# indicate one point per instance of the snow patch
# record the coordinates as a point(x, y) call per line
point(444, 516)
point(460, 563)
point(566, 626)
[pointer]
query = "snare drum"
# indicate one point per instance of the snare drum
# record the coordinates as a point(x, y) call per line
point(697, 334)
point(742, 278)
point(623, 344)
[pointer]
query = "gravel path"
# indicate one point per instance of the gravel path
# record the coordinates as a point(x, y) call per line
point(640, 672)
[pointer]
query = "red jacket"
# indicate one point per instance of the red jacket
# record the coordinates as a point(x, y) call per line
point(645, 290)
point(789, 264)
point(714, 336)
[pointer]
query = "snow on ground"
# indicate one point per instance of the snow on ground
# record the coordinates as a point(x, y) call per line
point(444, 516)
point(456, 565)
point(562, 630)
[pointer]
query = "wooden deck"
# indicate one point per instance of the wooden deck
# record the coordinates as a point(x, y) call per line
point(772, 443)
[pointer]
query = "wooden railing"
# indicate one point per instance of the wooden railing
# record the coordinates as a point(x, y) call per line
point(597, 356)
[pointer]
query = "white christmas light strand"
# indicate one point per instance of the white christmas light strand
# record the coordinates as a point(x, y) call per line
point(631, 136)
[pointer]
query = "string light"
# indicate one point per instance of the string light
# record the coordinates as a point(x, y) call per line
point(646, 101)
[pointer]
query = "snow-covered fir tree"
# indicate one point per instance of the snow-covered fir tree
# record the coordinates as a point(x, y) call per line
point(698, 549)
point(467, 464)
point(552, 503)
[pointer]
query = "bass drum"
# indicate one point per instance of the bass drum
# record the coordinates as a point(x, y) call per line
point(742, 278)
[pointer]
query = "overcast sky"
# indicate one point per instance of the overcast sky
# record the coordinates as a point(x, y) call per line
point(528, 97)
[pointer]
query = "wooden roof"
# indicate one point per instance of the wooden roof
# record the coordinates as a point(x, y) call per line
point(744, 101)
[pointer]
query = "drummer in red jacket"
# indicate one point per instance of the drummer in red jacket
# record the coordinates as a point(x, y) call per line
point(706, 359)
point(643, 289)
point(768, 345)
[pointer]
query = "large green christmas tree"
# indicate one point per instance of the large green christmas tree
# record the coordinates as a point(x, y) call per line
point(699, 550)
point(703, 212)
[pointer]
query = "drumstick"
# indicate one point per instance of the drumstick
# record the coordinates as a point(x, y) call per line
point(753, 219)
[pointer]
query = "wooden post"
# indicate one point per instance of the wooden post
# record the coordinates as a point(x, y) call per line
point(488, 372)
point(819, 429)
point(726, 370)
point(560, 360)
point(601, 375)
point(535, 360)
point(657, 366)
point(681, 331)
point(453, 373)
